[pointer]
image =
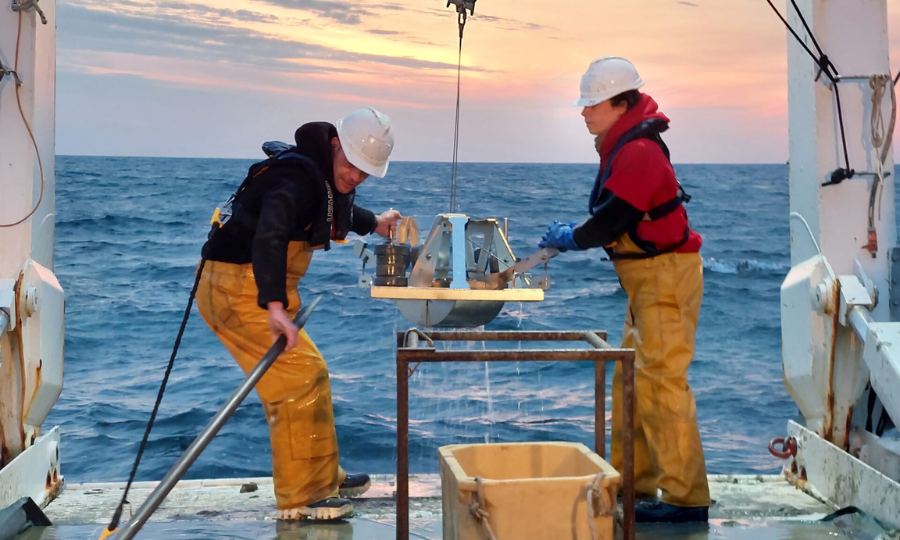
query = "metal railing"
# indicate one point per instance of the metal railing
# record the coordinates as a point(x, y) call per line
point(410, 352)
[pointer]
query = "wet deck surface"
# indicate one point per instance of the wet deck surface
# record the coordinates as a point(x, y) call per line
point(746, 507)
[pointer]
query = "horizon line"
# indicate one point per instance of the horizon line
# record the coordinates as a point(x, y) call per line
point(261, 158)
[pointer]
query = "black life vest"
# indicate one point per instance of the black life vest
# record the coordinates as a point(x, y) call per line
point(333, 220)
point(648, 129)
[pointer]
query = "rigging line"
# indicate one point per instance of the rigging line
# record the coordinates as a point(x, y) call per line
point(809, 31)
point(830, 70)
point(461, 18)
point(18, 84)
point(798, 38)
point(117, 515)
point(840, 111)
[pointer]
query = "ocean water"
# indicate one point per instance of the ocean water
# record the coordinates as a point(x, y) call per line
point(129, 232)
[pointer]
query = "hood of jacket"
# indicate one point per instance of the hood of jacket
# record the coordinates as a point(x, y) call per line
point(314, 141)
point(646, 109)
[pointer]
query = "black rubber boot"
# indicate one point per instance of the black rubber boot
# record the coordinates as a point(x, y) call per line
point(355, 485)
point(660, 512)
point(325, 510)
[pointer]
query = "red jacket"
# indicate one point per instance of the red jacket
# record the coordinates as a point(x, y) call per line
point(641, 179)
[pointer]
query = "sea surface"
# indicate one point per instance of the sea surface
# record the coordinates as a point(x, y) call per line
point(128, 238)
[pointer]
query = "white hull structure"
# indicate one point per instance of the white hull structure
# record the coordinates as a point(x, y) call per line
point(32, 303)
point(841, 300)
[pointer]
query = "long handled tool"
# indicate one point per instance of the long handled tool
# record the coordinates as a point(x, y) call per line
point(209, 432)
point(496, 281)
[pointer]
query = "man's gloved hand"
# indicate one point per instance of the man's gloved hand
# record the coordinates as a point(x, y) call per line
point(559, 236)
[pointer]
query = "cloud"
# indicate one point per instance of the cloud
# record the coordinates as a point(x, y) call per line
point(342, 12)
point(242, 15)
point(509, 24)
point(203, 33)
point(691, 4)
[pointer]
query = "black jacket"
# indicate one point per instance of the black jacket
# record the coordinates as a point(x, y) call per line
point(287, 202)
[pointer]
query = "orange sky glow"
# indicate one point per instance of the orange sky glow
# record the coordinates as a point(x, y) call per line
point(216, 77)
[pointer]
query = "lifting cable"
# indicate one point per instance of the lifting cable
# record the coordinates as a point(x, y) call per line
point(117, 515)
point(461, 6)
point(826, 67)
point(18, 82)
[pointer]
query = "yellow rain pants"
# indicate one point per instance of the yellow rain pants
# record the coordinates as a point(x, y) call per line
point(664, 295)
point(295, 392)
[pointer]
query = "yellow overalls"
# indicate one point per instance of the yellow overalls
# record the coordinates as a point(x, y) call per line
point(664, 295)
point(295, 392)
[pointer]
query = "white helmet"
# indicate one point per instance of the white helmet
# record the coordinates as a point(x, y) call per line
point(607, 77)
point(367, 139)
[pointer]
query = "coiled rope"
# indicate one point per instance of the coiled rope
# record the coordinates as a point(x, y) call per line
point(881, 140)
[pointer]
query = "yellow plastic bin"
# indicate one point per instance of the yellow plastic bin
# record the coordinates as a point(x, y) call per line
point(527, 491)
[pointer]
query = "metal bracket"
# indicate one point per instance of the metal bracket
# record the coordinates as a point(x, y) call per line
point(867, 283)
point(4, 71)
point(366, 255)
point(852, 294)
point(462, 6)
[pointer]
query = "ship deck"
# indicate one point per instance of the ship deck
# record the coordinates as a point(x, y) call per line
point(746, 506)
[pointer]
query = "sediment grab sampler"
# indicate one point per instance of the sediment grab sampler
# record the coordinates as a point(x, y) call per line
point(465, 271)
point(461, 276)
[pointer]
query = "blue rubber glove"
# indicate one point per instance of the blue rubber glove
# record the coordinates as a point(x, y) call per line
point(559, 236)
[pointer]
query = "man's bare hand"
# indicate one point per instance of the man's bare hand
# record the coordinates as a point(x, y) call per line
point(387, 222)
point(280, 324)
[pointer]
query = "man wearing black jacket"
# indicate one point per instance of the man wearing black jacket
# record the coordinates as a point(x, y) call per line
point(291, 205)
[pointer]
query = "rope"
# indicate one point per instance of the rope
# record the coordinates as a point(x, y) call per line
point(25, 5)
point(826, 67)
point(881, 140)
point(478, 508)
point(117, 515)
point(461, 19)
point(15, 75)
point(881, 137)
point(594, 490)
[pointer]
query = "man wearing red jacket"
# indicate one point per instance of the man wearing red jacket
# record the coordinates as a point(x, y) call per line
point(638, 216)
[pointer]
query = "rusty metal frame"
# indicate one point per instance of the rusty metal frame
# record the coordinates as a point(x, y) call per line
point(409, 352)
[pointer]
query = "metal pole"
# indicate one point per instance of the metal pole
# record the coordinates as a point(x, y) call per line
point(412, 341)
point(600, 408)
point(599, 394)
point(595, 338)
point(503, 355)
point(628, 446)
point(209, 432)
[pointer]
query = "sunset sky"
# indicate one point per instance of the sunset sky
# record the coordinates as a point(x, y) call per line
point(215, 78)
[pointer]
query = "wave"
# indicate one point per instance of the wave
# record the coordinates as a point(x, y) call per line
point(113, 219)
point(750, 266)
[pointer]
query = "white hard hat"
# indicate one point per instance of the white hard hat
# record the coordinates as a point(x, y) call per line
point(367, 139)
point(607, 77)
